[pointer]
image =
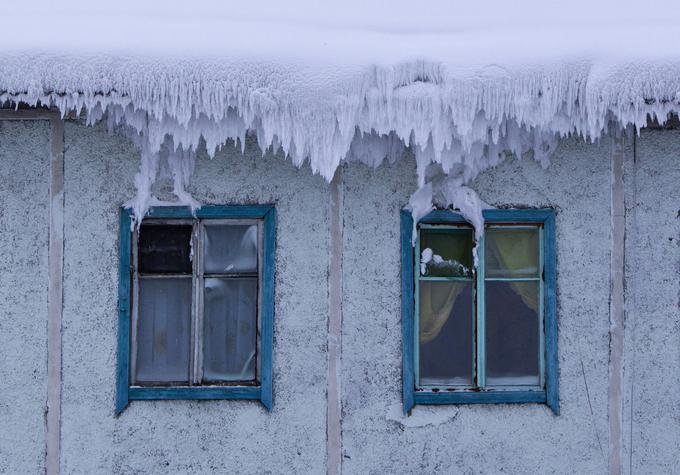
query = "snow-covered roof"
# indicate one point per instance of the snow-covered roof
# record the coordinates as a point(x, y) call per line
point(461, 83)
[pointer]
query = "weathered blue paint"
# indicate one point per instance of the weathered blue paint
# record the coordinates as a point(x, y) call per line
point(479, 397)
point(263, 392)
point(550, 394)
point(222, 392)
point(416, 320)
point(480, 327)
point(424, 278)
point(211, 211)
point(550, 303)
point(407, 309)
point(541, 308)
point(267, 312)
point(124, 278)
point(491, 216)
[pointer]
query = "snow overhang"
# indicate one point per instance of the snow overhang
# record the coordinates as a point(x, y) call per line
point(464, 87)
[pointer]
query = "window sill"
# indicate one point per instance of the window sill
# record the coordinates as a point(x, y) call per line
point(195, 393)
point(481, 397)
point(187, 392)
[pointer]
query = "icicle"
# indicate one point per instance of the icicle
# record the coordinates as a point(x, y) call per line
point(464, 123)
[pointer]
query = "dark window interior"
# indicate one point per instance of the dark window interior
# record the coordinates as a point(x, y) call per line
point(165, 249)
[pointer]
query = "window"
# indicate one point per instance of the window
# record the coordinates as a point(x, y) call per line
point(485, 334)
point(196, 304)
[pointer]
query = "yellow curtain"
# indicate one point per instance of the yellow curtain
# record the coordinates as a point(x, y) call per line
point(514, 252)
point(436, 304)
point(437, 299)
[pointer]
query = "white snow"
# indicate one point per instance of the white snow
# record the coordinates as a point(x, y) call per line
point(425, 257)
point(429, 259)
point(464, 86)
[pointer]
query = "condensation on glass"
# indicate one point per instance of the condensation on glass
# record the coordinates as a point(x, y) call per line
point(196, 312)
point(479, 330)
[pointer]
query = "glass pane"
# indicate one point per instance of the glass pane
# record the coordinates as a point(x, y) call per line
point(512, 252)
point(445, 333)
point(230, 325)
point(164, 329)
point(230, 248)
point(165, 249)
point(512, 333)
point(446, 252)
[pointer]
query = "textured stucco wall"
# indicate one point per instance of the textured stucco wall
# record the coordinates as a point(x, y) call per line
point(185, 436)
point(652, 346)
point(482, 438)
point(233, 436)
point(24, 181)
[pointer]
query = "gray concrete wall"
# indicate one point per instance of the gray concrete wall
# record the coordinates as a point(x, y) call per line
point(24, 181)
point(185, 436)
point(486, 438)
point(652, 402)
point(228, 436)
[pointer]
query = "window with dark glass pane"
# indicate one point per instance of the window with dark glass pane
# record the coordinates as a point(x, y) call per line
point(479, 328)
point(196, 312)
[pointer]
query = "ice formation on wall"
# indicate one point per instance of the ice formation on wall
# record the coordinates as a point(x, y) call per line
point(462, 93)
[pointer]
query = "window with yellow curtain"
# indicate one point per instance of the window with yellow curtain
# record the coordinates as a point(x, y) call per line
point(479, 331)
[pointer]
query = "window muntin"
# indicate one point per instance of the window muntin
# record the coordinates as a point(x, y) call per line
point(196, 318)
point(464, 317)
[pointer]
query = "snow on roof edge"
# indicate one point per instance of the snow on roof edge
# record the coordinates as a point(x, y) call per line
point(462, 123)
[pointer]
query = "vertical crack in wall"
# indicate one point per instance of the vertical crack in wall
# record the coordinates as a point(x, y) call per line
point(616, 306)
point(334, 394)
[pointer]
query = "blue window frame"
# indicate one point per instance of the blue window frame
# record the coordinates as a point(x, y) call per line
point(196, 312)
point(486, 334)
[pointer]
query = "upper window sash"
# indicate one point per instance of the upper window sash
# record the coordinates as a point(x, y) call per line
point(262, 392)
point(548, 390)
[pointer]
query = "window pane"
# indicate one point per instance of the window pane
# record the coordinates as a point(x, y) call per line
point(165, 249)
point(230, 248)
point(445, 333)
point(512, 333)
point(230, 325)
point(512, 252)
point(164, 329)
point(446, 252)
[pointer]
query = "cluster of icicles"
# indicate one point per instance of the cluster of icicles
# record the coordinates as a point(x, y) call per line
point(456, 128)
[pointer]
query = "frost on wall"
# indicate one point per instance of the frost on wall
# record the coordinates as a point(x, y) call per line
point(457, 124)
